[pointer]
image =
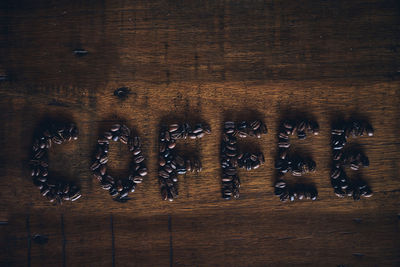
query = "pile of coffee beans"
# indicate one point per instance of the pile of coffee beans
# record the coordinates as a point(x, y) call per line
point(231, 158)
point(295, 164)
point(119, 189)
point(170, 163)
point(354, 158)
point(54, 190)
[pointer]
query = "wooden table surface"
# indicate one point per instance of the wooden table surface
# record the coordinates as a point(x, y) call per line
point(192, 61)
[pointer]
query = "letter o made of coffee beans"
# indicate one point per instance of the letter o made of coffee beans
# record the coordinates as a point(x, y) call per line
point(119, 189)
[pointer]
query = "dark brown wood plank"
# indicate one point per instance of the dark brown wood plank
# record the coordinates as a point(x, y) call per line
point(209, 61)
point(46, 227)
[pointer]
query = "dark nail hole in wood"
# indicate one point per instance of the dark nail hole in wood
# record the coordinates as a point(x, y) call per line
point(121, 92)
point(40, 239)
point(80, 52)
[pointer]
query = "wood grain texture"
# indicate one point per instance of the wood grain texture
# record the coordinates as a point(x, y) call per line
point(209, 61)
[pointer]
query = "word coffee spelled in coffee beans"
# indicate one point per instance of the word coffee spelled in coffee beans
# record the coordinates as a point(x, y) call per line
point(294, 164)
point(231, 158)
point(353, 158)
point(119, 189)
point(54, 190)
point(170, 163)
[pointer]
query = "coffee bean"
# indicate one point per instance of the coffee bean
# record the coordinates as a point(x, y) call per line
point(173, 127)
point(301, 135)
point(313, 127)
point(124, 139)
point(113, 192)
point(163, 174)
point(143, 172)
point(171, 145)
point(108, 135)
point(255, 124)
point(188, 165)
point(115, 138)
point(115, 127)
point(103, 169)
point(280, 184)
point(103, 159)
point(301, 126)
point(369, 130)
point(138, 159)
point(192, 135)
point(161, 161)
point(283, 144)
point(103, 141)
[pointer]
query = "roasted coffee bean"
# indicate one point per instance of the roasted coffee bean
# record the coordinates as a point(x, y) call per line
point(103, 169)
point(369, 130)
point(115, 138)
point(161, 161)
point(125, 130)
point(115, 127)
point(255, 124)
point(108, 135)
point(138, 159)
point(103, 159)
point(301, 126)
point(143, 172)
point(173, 127)
point(124, 139)
point(198, 129)
point(337, 155)
point(171, 145)
point(168, 168)
point(103, 141)
point(39, 154)
point(192, 135)
point(284, 144)
point(188, 165)
point(163, 174)
point(301, 135)
point(179, 161)
point(280, 184)
point(137, 179)
point(283, 153)
point(200, 135)
point(313, 127)
point(335, 173)
point(57, 140)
